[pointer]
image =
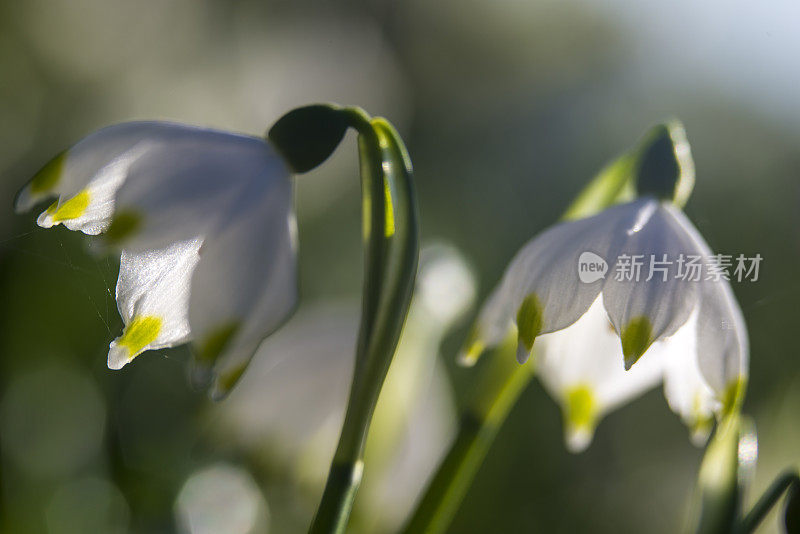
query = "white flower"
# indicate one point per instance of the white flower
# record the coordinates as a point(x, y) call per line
point(205, 223)
point(690, 331)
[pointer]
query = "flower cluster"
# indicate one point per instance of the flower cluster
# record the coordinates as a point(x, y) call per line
point(601, 340)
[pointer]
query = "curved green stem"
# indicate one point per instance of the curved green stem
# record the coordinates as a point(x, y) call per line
point(391, 241)
point(786, 481)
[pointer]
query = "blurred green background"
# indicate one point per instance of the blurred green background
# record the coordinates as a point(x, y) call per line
point(507, 107)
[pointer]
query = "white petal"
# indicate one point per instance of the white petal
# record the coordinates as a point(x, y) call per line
point(723, 346)
point(86, 176)
point(187, 186)
point(245, 285)
point(445, 284)
point(644, 310)
point(547, 268)
point(686, 391)
point(722, 350)
point(272, 407)
point(582, 368)
point(152, 297)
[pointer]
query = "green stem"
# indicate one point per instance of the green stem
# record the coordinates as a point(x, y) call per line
point(770, 497)
point(391, 235)
point(478, 427)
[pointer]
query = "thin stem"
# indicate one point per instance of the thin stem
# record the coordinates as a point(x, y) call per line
point(391, 235)
point(768, 499)
point(478, 427)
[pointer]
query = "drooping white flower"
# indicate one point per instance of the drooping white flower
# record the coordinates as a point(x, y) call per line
point(205, 223)
point(589, 329)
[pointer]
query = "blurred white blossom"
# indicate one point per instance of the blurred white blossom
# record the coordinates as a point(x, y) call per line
point(689, 331)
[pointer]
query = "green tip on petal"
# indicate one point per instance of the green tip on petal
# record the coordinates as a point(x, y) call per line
point(700, 429)
point(733, 396)
point(307, 136)
point(226, 381)
point(48, 177)
point(212, 345)
point(580, 409)
point(636, 338)
point(666, 168)
point(529, 325)
point(122, 226)
point(471, 352)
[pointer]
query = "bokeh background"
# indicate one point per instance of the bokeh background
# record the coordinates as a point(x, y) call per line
point(508, 107)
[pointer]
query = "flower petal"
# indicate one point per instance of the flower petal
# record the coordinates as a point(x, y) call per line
point(652, 304)
point(541, 289)
point(582, 368)
point(86, 176)
point(686, 390)
point(245, 285)
point(152, 297)
point(186, 187)
point(722, 344)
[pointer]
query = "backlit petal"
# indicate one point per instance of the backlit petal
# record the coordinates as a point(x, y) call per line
point(582, 368)
point(152, 298)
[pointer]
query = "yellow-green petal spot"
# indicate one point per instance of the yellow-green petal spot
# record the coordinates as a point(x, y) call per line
point(212, 345)
point(529, 325)
point(72, 208)
point(227, 380)
point(139, 333)
point(581, 407)
point(733, 395)
point(472, 350)
point(123, 225)
point(700, 428)
point(636, 338)
point(47, 178)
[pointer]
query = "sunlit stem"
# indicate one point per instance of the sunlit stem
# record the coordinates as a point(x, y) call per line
point(786, 481)
point(478, 426)
point(391, 241)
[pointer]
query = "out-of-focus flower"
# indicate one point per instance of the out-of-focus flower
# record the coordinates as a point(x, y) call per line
point(52, 422)
point(205, 223)
point(663, 297)
point(221, 498)
point(272, 415)
point(87, 504)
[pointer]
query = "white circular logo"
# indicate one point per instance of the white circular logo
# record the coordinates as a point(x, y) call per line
point(591, 267)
